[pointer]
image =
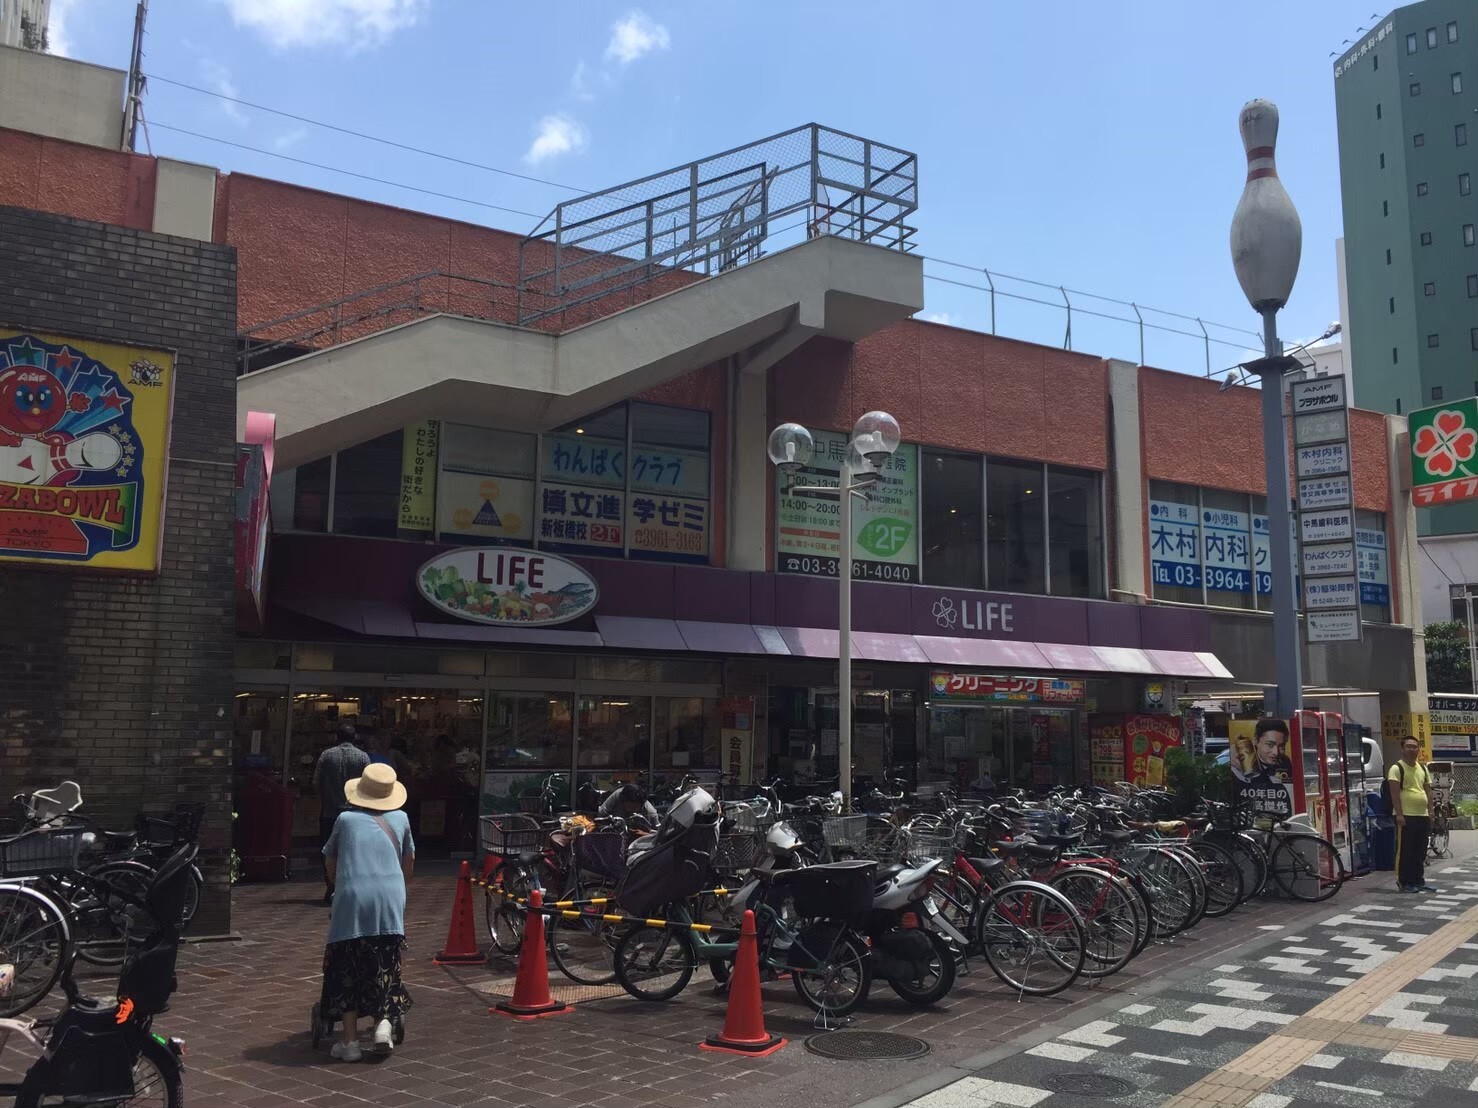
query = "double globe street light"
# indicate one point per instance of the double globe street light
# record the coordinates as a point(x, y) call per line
point(791, 448)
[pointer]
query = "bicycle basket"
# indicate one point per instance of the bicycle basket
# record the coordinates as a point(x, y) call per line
point(602, 853)
point(935, 843)
point(837, 890)
point(45, 850)
point(180, 828)
point(848, 831)
point(739, 850)
point(510, 834)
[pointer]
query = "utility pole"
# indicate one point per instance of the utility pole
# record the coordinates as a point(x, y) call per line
point(134, 95)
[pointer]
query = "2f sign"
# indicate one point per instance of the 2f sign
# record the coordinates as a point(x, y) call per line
point(1322, 394)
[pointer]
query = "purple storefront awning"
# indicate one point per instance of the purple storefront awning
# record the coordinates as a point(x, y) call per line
point(635, 633)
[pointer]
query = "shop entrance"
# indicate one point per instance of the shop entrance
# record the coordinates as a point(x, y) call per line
point(1025, 748)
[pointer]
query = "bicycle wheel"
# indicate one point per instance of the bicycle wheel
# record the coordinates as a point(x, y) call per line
point(842, 980)
point(1307, 867)
point(1032, 938)
point(36, 939)
point(1197, 874)
point(653, 963)
point(583, 948)
point(1171, 888)
point(1109, 913)
point(1223, 877)
point(504, 914)
point(1439, 839)
point(156, 1082)
point(108, 916)
point(1250, 857)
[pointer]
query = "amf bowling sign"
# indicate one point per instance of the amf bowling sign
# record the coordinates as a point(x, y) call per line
point(84, 444)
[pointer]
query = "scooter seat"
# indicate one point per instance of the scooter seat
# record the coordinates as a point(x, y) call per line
point(888, 872)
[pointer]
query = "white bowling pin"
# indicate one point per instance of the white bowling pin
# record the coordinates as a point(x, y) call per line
point(1267, 237)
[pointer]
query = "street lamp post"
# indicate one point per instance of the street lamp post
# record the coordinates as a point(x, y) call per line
point(791, 447)
point(1267, 241)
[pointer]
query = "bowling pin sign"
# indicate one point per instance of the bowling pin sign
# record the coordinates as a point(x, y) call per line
point(1267, 237)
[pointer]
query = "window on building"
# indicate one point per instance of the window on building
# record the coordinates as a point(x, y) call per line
point(1437, 393)
point(1375, 61)
point(1452, 31)
point(1415, 88)
point(669, 517)
point(1388, 255)
point(485, 490)
point(1385, 207)
point(1430, 288)
point(1411, 43)
point(1015, 524)
point(1383, 161)
point(1432, 342)
point(1228, 557)
point(1398, 405)
point(1395, 356)
point(311, 498)
point(1373, 566)
point(1075, 532)
point(1472, 286)
point(1421, 188)
point(1175, 543)
point(1467, 234)
point(1426, 238)
point(1391, 305)
point(1473, 341)
point(1419, 139)
point(1460, 134)
point(1457, 83)
point(1431, 38)
point(367, 487)
point(954, 551)
point(1464, 184)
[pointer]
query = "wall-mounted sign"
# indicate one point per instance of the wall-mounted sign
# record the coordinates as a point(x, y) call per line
point(1333, 626)
point(1455, 715)
point(1444, 453)
point(672, 526)
point(1331, 592)
point(1227, 550)
point(418, 462)
point(1320, 394)
point(1326, 502)
point(517, 587)
point(884, 526)
point(1328, 561)
point(1322, 461)
point(84, 439)
point(486, 507)
point(1325, 492)
point(979, 686)
point(1175, 544)
point(1374, 566)
point(1320, 427)
point(1336, 525)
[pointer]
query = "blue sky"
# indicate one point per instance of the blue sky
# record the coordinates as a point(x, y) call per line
point(1081, 144)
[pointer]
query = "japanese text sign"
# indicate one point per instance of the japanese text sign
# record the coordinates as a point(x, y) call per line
point(1444, 446)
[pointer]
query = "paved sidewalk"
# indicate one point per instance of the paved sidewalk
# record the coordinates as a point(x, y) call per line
point(243, 1009)
point(1376, 1003)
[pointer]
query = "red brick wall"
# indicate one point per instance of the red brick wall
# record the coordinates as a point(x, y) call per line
point(956, 389)
point(67, 178)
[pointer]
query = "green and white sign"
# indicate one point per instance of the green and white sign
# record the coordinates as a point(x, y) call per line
point(885, 526)
point(1444, 453)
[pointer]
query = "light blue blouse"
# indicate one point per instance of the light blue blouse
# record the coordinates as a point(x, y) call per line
point(369, 888)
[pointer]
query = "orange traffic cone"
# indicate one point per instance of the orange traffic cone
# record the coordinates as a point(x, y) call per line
point(461, 936)
point(744, 1022)
point(531, 997)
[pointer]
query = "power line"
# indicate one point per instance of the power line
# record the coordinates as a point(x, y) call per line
point(367, 137)
point(345, 172)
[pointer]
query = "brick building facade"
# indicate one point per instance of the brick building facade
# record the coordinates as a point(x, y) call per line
point(123, 682)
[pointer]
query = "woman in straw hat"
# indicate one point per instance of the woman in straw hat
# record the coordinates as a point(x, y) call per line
point(369, 855)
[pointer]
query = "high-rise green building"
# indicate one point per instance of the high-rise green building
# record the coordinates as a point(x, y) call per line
point(1406, 97)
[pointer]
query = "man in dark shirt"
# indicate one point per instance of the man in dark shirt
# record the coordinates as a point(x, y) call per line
point(336, 766)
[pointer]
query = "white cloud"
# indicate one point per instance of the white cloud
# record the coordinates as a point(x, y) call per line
point(938, 317)
point(556, 135)
point(353, 23)
point(219, 79)
point(288, 139)
point(634, 36)
point(580, 83)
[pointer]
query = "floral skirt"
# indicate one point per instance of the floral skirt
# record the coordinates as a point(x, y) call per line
point(363, 975)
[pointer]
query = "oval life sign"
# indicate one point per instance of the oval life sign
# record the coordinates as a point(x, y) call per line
point(507, 587)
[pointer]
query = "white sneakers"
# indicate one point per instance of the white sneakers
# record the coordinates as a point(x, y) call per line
point(345, 1052)
point(384, 1037)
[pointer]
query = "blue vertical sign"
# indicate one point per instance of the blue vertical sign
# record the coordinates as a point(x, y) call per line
point(1175, 544)
point(1228, 558)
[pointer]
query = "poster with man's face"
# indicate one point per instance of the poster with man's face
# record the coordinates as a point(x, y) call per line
point(1261, 764)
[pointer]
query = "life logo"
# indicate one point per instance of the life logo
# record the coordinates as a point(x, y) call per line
point(82, 450)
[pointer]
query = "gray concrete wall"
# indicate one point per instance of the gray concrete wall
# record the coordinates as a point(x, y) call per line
point(61, 98)
point(1127, 522)
point(184, 199)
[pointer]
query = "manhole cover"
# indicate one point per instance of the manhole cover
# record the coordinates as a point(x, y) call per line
point(866, 1045)
point(1100, 1085)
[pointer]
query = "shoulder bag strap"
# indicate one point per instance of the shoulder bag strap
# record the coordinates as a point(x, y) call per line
point(389, 834)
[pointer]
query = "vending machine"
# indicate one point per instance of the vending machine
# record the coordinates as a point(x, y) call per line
point(1319, 737)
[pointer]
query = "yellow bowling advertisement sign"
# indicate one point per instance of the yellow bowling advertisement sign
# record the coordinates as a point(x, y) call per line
point(84, 445)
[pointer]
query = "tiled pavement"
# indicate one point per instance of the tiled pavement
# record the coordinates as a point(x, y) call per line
point(1376, 1004)
point(243, 1009)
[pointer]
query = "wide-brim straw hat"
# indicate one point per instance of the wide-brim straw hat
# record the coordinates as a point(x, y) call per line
point(376, 789)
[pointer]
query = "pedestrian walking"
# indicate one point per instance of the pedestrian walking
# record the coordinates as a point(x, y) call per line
point(1410, 785)
point(336, 766)
point(370, 855)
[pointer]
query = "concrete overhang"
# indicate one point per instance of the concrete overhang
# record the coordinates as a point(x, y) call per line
point(497, 375)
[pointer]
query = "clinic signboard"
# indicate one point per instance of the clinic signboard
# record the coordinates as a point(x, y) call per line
point(84, 444)
point(1444, 453)
point(885, 525)
point(1327, 554)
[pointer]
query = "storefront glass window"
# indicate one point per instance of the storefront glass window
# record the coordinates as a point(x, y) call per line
point(953, 541)
point(1075, 532)
point(1175, 543)
point(670, 515)
point(530, 737)
point(310, 502)
point(485, 490)
point(582, 495)
point(615, 741)
point(1373, 561)
point(1014, 499)
point(260, 732)
point(366, 488)
point(687, 735)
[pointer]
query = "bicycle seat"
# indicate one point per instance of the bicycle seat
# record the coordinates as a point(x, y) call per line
point(1119, 838)
point(1170, 826)
point(985, 865)
point(1042, 852)
point(1197, 823)
point(1059, 840)
point(530, 858)
point(1009, 849)
point(119, 840)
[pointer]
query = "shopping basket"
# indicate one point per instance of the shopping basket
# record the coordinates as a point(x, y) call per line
point(44, 850)
point(510, 834)
point(602, 853)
